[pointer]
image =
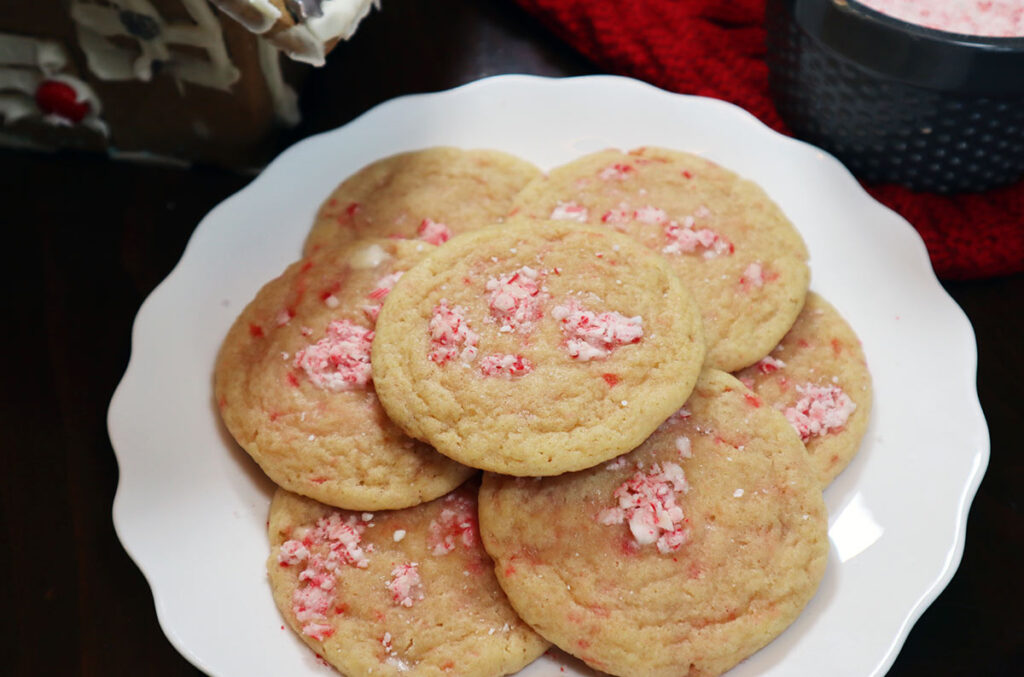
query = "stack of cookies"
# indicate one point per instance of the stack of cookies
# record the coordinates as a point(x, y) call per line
point(626, 346)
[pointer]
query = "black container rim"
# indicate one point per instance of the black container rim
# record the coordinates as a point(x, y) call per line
point(925, 57)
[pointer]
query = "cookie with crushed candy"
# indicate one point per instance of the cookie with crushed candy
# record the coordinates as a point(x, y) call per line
point(729, 243)
point(402, 592)
point(682, 557)
point(818, 378)
point(294, 384)
point(536, 348)
point(428, 194)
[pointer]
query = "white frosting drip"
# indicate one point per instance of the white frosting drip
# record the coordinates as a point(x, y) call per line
point(258, 16)
point(25, 64)
point(340, 19)
point(284, 98)
point(108, 60)
point(308, 42)
point(14, 107)
point(18, 50)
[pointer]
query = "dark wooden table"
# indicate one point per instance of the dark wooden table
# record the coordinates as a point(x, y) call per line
point(88, 239)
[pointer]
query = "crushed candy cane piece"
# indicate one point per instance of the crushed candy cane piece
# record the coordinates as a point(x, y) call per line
point(617, 171)
point(433, 232)
point(292, 552)
point(770, 364)
point(820, 410)
point(649, 214)
point(569, 211)
point(456, 524)
point(450, 335)
point(379, 293)
point(314, 595)
point(620, 215)
point(647, 503)
point(684, 239)
point(339, 361)
point(684, 447)
point(590, 335)
point(505, 365)
point(515, 298)
point(405, 585)
point(753, 276)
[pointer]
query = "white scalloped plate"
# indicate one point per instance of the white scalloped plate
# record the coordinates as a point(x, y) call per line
point(191, 507)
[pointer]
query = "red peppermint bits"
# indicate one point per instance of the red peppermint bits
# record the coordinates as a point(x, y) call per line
point(456, 524)
point(618, 216)
point(821, 410)
point(770, 365)
point(647, 502)
point(500, 364)
point(569, 211)
point(752, 277)
point(590, 335)
point(685, 239)
point(615, 172)
point(433, 232)
point(450, 335)
point(649, 214)
point(405, 584)
point(341, 360)
point(333, 542)
point(379, 293)
point(515, 299)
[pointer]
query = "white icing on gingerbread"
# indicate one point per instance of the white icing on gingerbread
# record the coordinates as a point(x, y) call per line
point(283, 98)
point(104, 27)
point(33, 86)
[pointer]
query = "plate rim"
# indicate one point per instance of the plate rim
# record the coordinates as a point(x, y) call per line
point(208, 223)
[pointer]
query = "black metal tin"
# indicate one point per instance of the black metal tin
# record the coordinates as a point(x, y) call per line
point(896, 102)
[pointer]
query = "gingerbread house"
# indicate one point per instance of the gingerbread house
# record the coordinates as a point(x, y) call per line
point(183, 80)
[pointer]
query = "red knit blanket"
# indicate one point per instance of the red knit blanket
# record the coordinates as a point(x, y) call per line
point(716, 48)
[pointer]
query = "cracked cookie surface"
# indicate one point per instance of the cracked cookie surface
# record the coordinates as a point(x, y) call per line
point(429, 194)
point(401, 592)
point(818, 377)
point(294, 385)
point(729, 243)
point(680, 558)
point(537, 348)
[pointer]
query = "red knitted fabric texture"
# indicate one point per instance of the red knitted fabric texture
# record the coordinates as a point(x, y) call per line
point(716, 48)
